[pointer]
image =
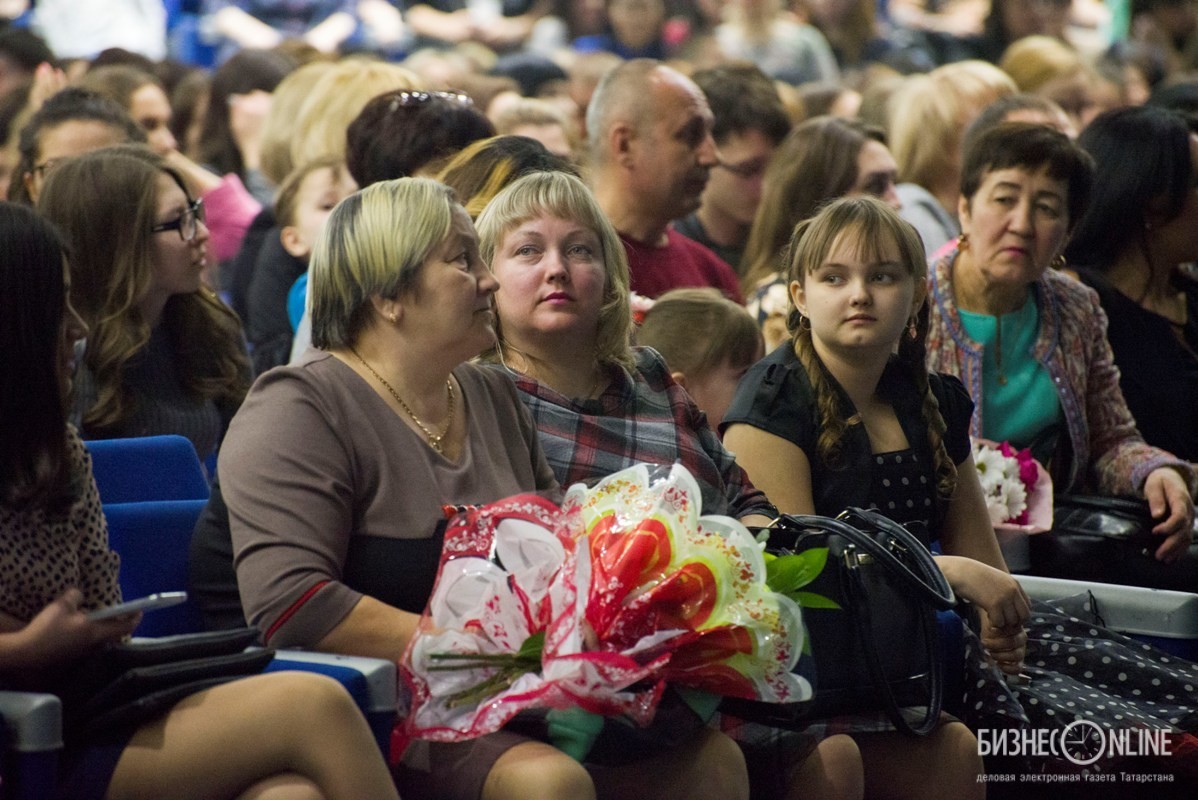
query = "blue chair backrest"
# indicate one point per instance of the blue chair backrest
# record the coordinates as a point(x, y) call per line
point(147, 468)
point(153, 539)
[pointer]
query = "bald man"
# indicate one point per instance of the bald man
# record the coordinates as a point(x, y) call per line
point(649, 130)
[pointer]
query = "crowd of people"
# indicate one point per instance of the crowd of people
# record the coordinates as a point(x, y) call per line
point(376, 259)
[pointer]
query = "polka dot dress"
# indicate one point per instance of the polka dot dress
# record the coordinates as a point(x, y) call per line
point(903, 491)
point(1079, 670)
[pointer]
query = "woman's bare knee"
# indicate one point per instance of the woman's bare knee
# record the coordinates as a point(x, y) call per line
point(832, 770)
point(283, 787)
point(721, 768)
point(945, 763)
point(536, 771)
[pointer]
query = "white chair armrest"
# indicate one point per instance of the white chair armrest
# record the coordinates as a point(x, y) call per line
point(1127, 609)
point(34, 721)
point(381, 675)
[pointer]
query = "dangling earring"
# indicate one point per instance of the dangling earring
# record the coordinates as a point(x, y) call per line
point(1058, 262)
point(912, 328)
point(804, 323)
point(963, 241)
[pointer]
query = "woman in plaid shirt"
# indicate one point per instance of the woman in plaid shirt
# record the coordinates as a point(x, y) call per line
point(599, 404)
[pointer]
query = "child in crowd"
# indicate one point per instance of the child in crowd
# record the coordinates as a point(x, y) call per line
point(708, 341)
point(305, 200)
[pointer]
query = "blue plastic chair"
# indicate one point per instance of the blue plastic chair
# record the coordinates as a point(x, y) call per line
point(147, 468)
point(153, 540)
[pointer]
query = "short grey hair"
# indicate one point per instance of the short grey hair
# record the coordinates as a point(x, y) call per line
point(622, 94)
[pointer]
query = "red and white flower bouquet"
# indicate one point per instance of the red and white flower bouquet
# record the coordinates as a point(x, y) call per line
point(597, 605)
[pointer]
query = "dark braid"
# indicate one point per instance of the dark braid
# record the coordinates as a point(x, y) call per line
point(912, 353)
point(833, 423)
point(871, 221)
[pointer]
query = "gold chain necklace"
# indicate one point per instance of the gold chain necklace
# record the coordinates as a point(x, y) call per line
point(1002, 374)
point(434, 439)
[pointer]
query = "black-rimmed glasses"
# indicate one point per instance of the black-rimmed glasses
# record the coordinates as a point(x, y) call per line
point(752, 168)
point(44, 167)
point(187, 223)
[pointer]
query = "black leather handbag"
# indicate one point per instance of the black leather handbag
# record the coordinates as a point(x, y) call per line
point(879, 649)
point(1108, 540)
point(130, 683)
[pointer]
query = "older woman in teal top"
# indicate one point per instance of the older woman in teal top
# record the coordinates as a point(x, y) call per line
point(1029, 342)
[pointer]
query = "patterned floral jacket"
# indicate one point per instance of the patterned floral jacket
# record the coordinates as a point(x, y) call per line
point(1106, 453)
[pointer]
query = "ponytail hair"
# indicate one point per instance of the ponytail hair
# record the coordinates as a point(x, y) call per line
point(871, 224)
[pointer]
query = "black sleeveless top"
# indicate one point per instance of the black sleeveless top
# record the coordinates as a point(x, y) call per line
point(777, 397)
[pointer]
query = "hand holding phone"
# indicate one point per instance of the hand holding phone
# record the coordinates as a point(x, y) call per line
point(147, 603)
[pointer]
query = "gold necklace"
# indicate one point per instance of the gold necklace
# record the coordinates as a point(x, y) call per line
point(1002, 375)
point(434, 439)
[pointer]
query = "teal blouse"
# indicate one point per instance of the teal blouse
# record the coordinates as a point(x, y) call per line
point(1019, 400)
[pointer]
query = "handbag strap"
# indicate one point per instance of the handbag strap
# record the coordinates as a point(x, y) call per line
point(929, 582)
point(863, 622)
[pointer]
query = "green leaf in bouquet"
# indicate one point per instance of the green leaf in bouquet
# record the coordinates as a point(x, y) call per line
point(813, 600)
point(532, 647)
point(504, 669)
point(789, 573)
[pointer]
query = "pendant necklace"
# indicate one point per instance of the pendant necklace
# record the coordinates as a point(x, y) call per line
point(1002, 375)
point(434, 439)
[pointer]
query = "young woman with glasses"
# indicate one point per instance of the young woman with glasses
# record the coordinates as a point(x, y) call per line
point(164, 354)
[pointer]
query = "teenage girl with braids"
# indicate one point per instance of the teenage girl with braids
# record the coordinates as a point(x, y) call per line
point(847, 414)
point(836, 419)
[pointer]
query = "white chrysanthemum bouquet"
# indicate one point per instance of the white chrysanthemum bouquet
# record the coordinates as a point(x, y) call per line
point(1017, 488)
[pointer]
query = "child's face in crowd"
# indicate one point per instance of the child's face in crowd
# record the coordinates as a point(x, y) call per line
point(318, 193)
point(152, 111)
point(855, 301)
point(714, 389)
point(636, 22)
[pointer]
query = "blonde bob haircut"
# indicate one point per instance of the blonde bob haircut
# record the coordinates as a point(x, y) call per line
point(374, 243)
point(336, 99)
point(563, 196)
point(1035, 60)
point(929, 114)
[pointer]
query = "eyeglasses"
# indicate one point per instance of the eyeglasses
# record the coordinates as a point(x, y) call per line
point(404, 99)
point(44, 167)
point(1048, 5)
point(187, 223)
point(747, 169)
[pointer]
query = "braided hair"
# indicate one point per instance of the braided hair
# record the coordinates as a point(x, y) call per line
point(872, 224)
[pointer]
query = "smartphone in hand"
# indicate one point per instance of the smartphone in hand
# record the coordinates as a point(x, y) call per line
point(147, 603)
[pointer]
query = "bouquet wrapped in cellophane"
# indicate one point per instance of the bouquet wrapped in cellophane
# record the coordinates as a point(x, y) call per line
point(597, 605)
